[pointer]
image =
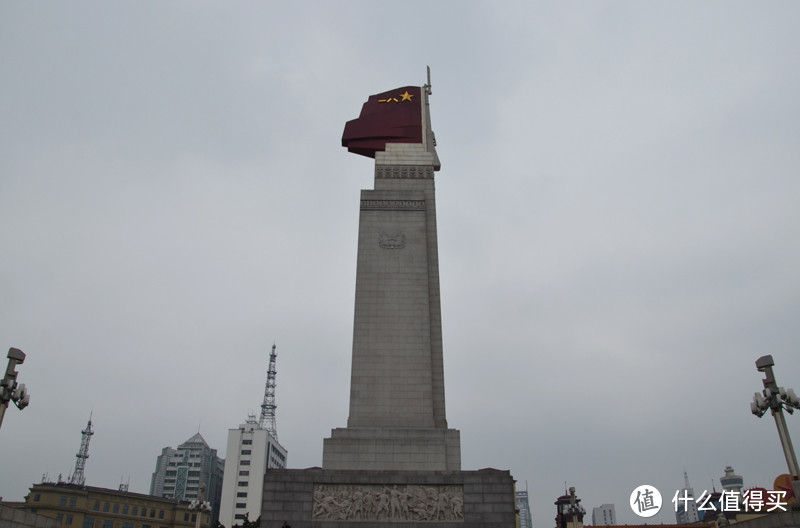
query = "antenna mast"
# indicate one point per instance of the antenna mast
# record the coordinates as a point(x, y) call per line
point(268, 407)
point(83, 453)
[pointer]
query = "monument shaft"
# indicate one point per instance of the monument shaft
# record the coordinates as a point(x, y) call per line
point(397, 407)
point(397, 377)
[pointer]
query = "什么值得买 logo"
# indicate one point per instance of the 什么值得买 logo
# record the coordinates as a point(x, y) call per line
point(645, 501)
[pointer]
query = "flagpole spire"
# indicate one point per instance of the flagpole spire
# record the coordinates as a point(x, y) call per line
point(428, 86)
point(428, 137)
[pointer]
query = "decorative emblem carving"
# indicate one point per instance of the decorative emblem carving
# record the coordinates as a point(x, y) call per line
point(396, 503)
point(395, 205)
point(392, 240)
point(422, 172)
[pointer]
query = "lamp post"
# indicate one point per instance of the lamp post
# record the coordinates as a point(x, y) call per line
point(9, 389)
point(200, 505)
point(776, 399)
point(575, 509)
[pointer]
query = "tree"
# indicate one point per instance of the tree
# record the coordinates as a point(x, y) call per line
point(247, 523)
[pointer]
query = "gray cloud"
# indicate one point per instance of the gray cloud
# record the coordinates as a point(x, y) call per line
point(617, 226)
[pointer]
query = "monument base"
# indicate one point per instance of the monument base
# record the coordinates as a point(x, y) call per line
point(322, 498)
point(405, 449)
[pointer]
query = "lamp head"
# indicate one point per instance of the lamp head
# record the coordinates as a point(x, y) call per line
point(764, 362)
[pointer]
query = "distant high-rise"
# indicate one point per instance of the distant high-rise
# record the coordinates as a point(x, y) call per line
point(731, 481)
point(604, 515)
point(250, 453)
point(179, 473)
point(524, 507)
point(686, 510)
point(252, 449)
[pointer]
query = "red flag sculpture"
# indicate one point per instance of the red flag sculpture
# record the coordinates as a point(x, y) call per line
point(389, 117)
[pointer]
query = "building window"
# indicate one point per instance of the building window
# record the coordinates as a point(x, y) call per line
point(72, 501)
point(241, 505)
point(144, 512)
point(161, 514)
point(242, 494)
point(63, 501)
point(116, 508)
point(186, 517)
point(105, 507)
point(37, 497)
point(108, 524)
point(152, 514)
point(135, 510)
point(127, 525)
point(244, 473)
point(96, 506)
point(239, 516)
point(245, 451)
point(60, 517)
point(88, 522)
point(247, 442)
point(69, 518)
point(125, 509)
point(244, 463)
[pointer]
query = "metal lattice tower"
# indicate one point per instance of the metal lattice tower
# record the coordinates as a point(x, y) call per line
point(267, 420)
point(83, 453)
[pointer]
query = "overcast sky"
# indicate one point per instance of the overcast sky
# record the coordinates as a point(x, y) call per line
point(619, 230)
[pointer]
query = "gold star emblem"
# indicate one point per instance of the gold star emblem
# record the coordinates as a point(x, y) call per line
point(406, 96)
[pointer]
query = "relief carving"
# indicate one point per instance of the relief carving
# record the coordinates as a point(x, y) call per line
point(397, 503)
point(392, 240)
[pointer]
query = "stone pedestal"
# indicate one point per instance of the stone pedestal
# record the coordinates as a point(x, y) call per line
point(317, 498)
point(394, 449)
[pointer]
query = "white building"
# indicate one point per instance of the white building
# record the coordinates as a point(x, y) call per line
point(604, 515)
point(251, 452)
point(686, 510)
point(731, 481)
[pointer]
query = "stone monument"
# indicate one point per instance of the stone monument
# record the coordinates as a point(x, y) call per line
point(396, 464)
point(397, 412)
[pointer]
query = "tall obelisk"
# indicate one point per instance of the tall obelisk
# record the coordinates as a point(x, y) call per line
point(397, 408)
point(396, 463)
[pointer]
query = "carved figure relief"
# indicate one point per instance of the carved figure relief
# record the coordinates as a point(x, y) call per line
point(392, 240)
point(396, 503)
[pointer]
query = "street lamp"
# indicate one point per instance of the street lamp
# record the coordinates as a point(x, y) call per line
point(200, 505)
point(575, 509)
point(776, 399)
point(9, 389)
